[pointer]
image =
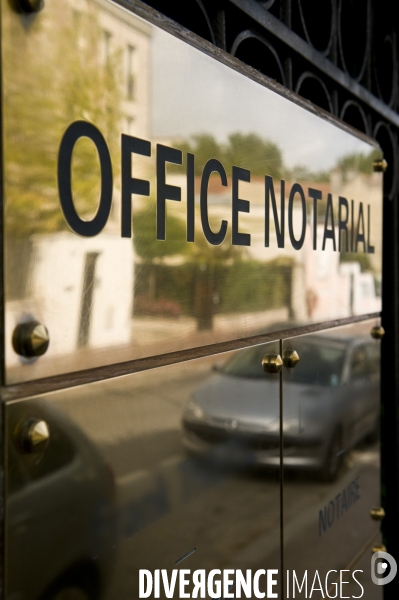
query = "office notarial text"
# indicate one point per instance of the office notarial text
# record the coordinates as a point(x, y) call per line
point(287, 211)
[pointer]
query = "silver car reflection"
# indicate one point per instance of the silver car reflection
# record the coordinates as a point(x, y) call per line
point(331, 403)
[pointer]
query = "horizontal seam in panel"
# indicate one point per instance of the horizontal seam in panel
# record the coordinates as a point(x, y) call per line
point(77, 378)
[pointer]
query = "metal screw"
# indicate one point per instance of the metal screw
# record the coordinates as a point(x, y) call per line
point(377, 514)
point(379, 548)
point(272, 363)
point(290, 358)
point(30, 339)
point(35, 436)
point(380, 166)
point(377, 332)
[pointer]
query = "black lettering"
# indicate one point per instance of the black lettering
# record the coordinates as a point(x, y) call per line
point(360, 224)
point(352, 223)
point(165, 191)
point(190, 198)
point(280, 227)
point(316, 195)
point(343, 222)
point(296, 189)
point(238, 205)
point(329, 233)
point(131, 145)
point(75, 131)
point(211, 166)
point(370, 249)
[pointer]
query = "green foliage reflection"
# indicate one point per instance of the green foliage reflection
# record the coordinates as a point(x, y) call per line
point(41, 99)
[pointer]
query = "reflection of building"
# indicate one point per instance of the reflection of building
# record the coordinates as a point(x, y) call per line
point(355, 185)
point(334, 287)
point(125, 34)
point(91, 282)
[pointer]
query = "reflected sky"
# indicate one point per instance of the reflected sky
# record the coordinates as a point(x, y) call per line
point(250, 107)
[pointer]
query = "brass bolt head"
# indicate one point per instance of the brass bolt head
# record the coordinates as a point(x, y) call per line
point(377, 514)
point(378, 548)
point(35, 436)
point(290, 358)
point(272, 363)
point(30, 339)
point(377, 332)
point(380, 166)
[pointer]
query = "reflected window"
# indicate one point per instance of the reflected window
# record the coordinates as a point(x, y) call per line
point(131, 51)
point(129, 125)
point(106, 47)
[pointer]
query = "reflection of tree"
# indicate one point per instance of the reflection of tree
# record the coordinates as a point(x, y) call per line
point(302, 173)
point(358, 162)
point(209, 264)
point(247, 150)
point(150, 250)
point(145, 238)
point(250, 151)
point(225, 281)
point(253, 285)
point(203, 146)
point(217, 279)
point(200, 274)
point(54, 79)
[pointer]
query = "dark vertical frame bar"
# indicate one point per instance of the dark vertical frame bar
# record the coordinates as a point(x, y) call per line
point(281, 412)
point(2, 340)
point(390, 388)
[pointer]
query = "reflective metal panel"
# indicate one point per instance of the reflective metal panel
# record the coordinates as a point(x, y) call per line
point(157, 199)
point(332, 462)
point(163, 469)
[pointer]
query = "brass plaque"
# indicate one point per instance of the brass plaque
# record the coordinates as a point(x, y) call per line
point(179, 468)
point(157, 199)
